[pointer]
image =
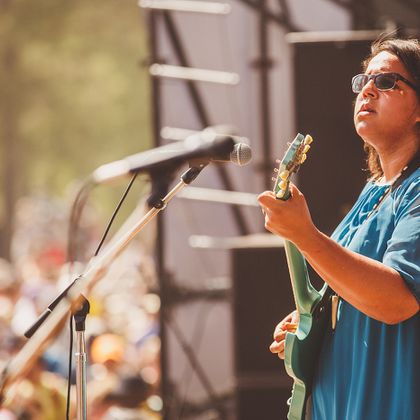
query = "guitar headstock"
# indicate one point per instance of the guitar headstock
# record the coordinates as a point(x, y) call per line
point(293, 158)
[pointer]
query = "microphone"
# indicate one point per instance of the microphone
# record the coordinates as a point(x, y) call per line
point(241, 155)
point(204, 146)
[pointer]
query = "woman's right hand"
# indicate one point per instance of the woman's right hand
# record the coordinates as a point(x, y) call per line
point(288, 324)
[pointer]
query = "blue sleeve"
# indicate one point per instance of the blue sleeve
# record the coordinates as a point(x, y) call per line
point(403, 248)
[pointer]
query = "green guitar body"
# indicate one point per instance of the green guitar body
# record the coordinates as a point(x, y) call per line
point(303, 346)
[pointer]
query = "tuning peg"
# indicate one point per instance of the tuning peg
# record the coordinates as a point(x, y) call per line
point(274, 179)
point(284, 175)
point(276, 170)
point(280, 194)
point(283, 185)
point(277, 161)
point(303, 158)
point(308, 139)
point(306, 148)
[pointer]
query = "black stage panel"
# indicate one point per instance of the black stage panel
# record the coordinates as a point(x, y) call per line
point(333, 175)
point(261, 298)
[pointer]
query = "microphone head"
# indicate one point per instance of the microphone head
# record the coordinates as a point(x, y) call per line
point(241, 154)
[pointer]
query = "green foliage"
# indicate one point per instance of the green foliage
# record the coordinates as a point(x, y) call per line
point(73, 87)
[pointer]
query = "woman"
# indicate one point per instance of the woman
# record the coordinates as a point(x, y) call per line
point(369, 367)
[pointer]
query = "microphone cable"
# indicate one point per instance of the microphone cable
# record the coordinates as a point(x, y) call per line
point(74, 220)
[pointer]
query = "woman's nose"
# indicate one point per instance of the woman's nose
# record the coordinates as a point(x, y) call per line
point(369, 89)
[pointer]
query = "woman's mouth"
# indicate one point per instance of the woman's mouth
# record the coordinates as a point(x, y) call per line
point(366, 110)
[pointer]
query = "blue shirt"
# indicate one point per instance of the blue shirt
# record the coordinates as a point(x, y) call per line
point(369, 370)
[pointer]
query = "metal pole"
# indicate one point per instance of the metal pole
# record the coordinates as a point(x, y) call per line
point(153, 19)
point(264, 65)
point(81, 393)
point(81, 385)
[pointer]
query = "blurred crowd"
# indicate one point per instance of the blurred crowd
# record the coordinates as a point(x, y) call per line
point(122, 333)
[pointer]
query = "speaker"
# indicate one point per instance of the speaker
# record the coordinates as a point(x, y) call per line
point(333, 175)
point(262, 296)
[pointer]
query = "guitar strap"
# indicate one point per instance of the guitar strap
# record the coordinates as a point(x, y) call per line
point(407, 171)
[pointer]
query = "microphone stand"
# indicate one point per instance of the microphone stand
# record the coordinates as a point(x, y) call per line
point(80, 355)
point(56, 313)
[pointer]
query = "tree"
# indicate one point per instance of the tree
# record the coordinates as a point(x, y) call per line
point(74, 95)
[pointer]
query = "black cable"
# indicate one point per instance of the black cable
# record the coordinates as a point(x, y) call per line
point(123, 197)
point(75, 216)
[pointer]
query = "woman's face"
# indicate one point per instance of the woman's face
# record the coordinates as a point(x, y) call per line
point(384, 119)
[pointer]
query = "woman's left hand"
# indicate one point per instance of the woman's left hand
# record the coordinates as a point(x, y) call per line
point(290, 219)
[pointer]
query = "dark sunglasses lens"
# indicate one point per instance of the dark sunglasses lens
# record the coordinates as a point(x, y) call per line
point(385, 81)
point(358, 82)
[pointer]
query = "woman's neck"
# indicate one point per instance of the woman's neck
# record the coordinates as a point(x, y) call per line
point(394, 161)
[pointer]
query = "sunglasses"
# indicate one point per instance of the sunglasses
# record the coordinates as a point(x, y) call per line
point(382, 81)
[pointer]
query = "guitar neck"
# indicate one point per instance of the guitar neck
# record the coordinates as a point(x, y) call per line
point(304, 293)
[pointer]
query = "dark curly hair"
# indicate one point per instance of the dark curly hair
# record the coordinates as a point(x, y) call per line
point(408, 51)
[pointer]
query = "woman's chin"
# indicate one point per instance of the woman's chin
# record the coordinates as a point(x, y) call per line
point(365, 129)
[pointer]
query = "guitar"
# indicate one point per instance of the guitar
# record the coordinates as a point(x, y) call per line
point(302, 346)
